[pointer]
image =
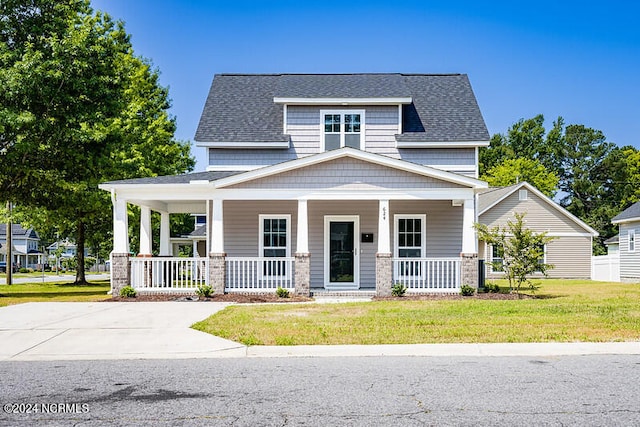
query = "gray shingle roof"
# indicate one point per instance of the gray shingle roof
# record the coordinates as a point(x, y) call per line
point(177, 179)
point(631, 212)
point(241, 108)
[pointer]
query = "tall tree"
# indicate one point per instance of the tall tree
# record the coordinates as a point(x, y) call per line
point(78, 109)
point(513, 171)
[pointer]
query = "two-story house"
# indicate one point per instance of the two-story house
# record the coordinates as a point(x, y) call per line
point(319, 183)
point(24, 242)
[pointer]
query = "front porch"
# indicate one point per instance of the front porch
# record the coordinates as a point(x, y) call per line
point(249, 274)
point(344, 220)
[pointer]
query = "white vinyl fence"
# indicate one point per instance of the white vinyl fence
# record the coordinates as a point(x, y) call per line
point(605, 268)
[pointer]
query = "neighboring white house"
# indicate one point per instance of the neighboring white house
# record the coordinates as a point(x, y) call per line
point(25, 242)
point(629, 247)
point(319, 183)
point(569, 252)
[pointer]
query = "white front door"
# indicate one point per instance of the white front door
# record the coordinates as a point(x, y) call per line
point(341, 252)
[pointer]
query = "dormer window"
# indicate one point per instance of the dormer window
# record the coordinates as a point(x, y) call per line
point(342, 128)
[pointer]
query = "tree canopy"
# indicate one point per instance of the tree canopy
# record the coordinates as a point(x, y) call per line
point(595, 178)
point(78, 108)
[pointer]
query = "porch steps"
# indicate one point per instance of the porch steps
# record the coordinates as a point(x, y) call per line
point(323, 296)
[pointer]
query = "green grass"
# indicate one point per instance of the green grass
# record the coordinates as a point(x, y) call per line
point(564, 311)
point(39, 292)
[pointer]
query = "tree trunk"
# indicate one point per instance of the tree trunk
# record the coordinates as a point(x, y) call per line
point(9, 254)
point(80, 277)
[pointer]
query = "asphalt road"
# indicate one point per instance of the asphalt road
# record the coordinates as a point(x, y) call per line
point(355, 391)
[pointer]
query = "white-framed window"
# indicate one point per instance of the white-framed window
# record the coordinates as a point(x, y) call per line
point(523, 195)
point(632, 240)
point(275, 242)
point(497, 258)
point(342, 128)
point(410, 243)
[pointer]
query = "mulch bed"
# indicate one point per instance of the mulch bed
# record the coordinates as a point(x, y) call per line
point(237, 298)
point(257, 298)
point(436, 297)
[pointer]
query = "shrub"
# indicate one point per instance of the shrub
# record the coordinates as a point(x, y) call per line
point(23, 270)
point(282, 292)
point(398, 290)
point(467, 291)
point(204, 291)
point(491, 288)
point(128, 292)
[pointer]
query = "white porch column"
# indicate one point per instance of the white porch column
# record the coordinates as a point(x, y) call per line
point(145, 231)
point(384, 230)
point(469, 241)
point(165, 233)
point(302, 244)
point(217, 227)
point(120, 225)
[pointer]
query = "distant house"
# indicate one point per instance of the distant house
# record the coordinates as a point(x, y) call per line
point(613, 245)
point(68, 249)
point(25, 244)
point(570, 252)
point(629, 247)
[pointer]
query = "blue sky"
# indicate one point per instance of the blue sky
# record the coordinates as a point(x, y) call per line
point(579, 60)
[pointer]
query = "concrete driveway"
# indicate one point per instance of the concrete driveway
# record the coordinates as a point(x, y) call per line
point(110, 330)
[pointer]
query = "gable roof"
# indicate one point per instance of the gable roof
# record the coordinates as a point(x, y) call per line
point(632, 213)
point(356, 154)
point(18, 230)
point(243, 108)
point(493, 196)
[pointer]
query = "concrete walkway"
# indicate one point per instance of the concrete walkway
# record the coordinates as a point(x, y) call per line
point(161, 330)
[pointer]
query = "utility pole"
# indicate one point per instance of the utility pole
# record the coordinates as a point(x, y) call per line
point(9, 255)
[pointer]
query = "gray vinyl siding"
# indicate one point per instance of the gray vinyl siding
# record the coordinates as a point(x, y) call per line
point(241, 224)
point(629, 261)
point(380, 129)
point(571, 257)
point(540, 216)
point(346, 173)
point(443, 227)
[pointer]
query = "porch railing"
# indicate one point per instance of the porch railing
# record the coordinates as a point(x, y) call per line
point(169, 274)
point(259, 274)
point(428, 274)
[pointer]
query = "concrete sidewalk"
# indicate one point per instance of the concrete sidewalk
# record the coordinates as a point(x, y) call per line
point(108, 330)
point(161, 330)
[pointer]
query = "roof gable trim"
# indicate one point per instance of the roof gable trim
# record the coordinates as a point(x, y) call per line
point(343, 101)
point(357, 154)
point(547, 200)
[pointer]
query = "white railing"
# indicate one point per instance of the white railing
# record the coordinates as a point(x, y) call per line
point(427, 274)
point(169, 274)
point(605, 268)
point(259, 274)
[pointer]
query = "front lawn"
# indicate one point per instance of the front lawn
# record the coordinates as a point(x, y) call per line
point(562, 311)
point(39, 292)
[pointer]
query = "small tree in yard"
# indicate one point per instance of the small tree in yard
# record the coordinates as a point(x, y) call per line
point(523, 250)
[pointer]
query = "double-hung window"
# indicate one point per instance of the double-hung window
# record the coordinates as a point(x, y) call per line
point(410, 242)
point(497, 258)
point(275, 242)
point(342, 128)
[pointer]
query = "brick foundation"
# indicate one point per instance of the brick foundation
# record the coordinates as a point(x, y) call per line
point(384, 274)
point(217, 272)
point(469, 270)
point(302, 276)
point(120, 272)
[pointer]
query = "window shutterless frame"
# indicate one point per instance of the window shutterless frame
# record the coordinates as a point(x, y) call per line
point(341, 128)
point(274, 242)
